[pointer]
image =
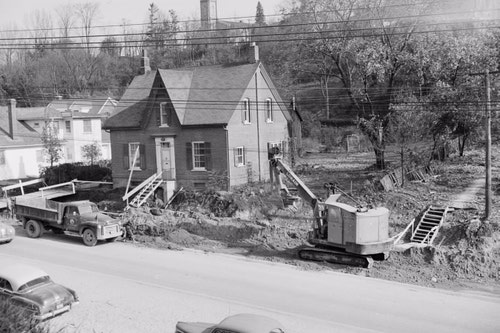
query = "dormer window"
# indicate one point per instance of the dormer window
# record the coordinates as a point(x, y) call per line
point(269, 110)
point(165, 115)
point(245, 111)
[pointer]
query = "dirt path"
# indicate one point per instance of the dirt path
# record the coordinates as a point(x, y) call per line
point(467, 198)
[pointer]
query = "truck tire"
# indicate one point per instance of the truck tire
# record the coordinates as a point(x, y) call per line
point(89, 237)
point(34, 229)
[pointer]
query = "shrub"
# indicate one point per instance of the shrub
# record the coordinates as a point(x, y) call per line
point(67, 172)
point(14, 319)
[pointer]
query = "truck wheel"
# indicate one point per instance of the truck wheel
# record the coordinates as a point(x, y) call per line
point(34, 229)
point(89, 237)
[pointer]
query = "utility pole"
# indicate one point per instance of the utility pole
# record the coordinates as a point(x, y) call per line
point(488, 192)
point(487, 188)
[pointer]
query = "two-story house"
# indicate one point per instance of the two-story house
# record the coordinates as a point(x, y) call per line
point(188, 123)
point(77, 123)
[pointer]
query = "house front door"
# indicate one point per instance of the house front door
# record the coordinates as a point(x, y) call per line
point(165, 163)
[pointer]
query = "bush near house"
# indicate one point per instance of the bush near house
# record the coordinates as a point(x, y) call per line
point(67, 172)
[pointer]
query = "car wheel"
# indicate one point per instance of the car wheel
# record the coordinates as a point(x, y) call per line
point(89, 237)
point(34, 229)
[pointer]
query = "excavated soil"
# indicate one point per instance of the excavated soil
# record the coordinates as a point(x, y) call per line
point(252, 221)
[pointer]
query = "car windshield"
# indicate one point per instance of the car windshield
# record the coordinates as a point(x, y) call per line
point(38, 281)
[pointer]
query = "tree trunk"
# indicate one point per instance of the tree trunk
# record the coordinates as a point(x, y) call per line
point(379, 158)
point(461, 145)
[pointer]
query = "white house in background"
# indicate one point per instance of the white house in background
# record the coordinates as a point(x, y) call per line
point(21, 150)
point(78, 123)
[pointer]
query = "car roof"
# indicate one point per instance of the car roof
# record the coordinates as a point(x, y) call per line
point(249, 323)
point(19, 274)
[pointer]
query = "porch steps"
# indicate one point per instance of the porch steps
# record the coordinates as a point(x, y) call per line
point(429, 224)
point(147, 190)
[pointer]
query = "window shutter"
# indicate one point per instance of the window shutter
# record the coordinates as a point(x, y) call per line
point(126, 160)
point(189, 156)
point(235, 155)
point(208, 156)
point(142, 152)
point(243, 111)
point(158, 116)
point(244, 156)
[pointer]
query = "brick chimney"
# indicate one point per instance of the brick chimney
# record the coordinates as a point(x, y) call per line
point(254, 56)
point(145, 67)
point(12, 118)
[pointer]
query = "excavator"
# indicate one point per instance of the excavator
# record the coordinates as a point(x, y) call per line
point(341, 233)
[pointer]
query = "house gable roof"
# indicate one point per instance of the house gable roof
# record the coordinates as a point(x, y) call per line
point(204, 95)
point(132, 107)
point(24, 136)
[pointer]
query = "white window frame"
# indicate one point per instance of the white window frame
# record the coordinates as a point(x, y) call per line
point(164, 113)
point(240, 157)
point(90, 125)
point(269, 110)
point(246, 109)
point(132, 147)
point(195, 153)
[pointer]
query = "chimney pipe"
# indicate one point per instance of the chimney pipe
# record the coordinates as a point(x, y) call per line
point(145, 67)
point(254, 53)
point(12, 118)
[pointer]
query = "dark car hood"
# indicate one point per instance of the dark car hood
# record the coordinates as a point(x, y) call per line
point(48, 295)
point(194, 327)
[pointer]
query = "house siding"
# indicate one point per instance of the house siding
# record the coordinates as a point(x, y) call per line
point(20, 162)
point(245, 135)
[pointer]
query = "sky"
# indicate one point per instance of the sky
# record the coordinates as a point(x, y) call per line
point(19, 12)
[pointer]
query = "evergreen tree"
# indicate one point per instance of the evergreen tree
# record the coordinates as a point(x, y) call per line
point(260, 19)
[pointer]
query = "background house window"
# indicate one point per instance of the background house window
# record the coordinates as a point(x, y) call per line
point(2, 157)
point(269, 110)
point(239, 156)
point(36, 125)
point(245, 111)
point(87, 126)
point(68, 126)
point(132, 148)
point(165, 114)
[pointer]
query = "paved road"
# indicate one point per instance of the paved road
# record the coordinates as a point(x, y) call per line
point(124, 288)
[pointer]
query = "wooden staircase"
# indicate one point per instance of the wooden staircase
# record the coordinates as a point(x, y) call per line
point(145, 190)
point(429, 224)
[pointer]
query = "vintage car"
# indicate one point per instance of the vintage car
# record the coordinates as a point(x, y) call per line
point(7, 233)
point(240, 323)
point(32, 289)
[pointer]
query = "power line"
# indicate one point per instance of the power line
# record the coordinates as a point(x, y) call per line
point(236, 19)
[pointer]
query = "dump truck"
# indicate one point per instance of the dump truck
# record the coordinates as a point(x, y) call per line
point(341, 233)
point(77, 218)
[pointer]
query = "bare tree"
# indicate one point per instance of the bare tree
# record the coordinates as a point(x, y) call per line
point(87, 12)
point(66, 18)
